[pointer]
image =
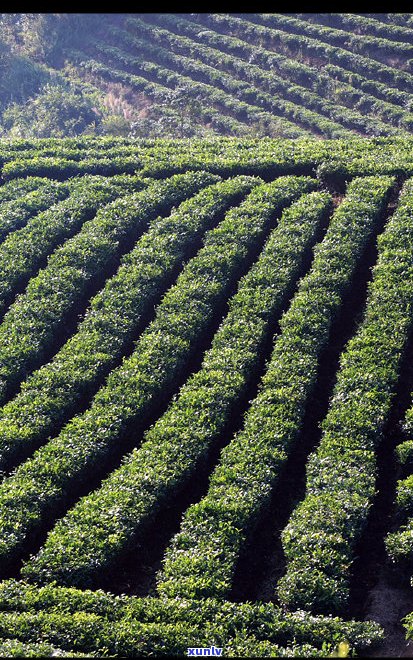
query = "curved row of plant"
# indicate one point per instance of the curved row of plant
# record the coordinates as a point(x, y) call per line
point(25, 162)
point(331, 68)
point(313, 91)
point(224, 156)
point(89, 621)
point(15, 213)
point(334, 167)
point(402, 19)
point(71, 152)
point(141, 146)
point(293, 102)
point(373, 47)
point(320, 538)
point(103, 152)
point(399, 544)
point(201, 559)
point(364, 24)
point(204, 69)
point(241, 94)
point(39, 316)
point(50, 395)
point(275, 157)
point(158, 92)
point(77, 142)
point(218, 98)
point(335, 172)
point(62, 168)
point(13, 190)
point(173, 449)
point(24, 251)
point(86, 149)
point(162, 161)
point(273, 81)
point(376, 96)
point(322, 81)
point(132, 392)
point(261, 25)
point(266, 157)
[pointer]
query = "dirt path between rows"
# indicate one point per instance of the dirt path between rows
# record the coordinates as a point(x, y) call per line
point(388, 604)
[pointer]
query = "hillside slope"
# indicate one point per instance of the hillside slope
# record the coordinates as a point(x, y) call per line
point(178, 75)
point(178, 320)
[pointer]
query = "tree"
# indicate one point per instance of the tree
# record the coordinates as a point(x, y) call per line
point(179, 115)
point(57, 111)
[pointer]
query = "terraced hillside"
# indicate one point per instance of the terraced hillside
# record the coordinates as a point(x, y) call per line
point(287, 75)
point(182, 75)
point(205, 396)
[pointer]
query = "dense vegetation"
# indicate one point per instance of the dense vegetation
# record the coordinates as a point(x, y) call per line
point(206, 336)
point(177, 319)
point(179, 75)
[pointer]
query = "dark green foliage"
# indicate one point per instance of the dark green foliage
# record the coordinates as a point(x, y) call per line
point(91, 401)
point(56, 111)
point(320, 538)
point(181, 438)
point(50, 395)
point(25, 250)
point(34, 320)
point(248, 80)
point(12, 648)
point(15, 213)
point(257, 74)
point(159, 358)
point(201, 559)
point(92, 621)
point(399, 543)
point(20, 76)
point(13, 190)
